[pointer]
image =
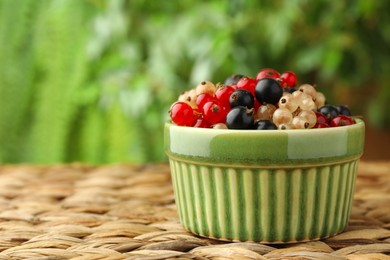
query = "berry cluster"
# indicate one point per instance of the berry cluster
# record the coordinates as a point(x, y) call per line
point(269, 101)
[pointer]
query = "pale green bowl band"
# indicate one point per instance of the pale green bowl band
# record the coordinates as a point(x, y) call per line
point(253, 148)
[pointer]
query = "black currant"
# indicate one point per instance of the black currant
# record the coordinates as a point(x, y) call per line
point(290, 90)
point(265, 125)
point(233, 79)
point(329, 111)
point(268, 91)
point(240, 118)
point(241, 97)
point(343, 110)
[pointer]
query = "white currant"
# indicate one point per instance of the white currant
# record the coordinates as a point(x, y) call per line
point(220, 126)
point(308, 90)
point(288, 102)
point(309, 116)
point(300, 123)
point(265, 112)
point(320, 99)
point(286, 126)
point(206, 87)
point(307, 103)
point(282, 116)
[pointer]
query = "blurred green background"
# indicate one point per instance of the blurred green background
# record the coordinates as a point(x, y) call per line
point(92, 81)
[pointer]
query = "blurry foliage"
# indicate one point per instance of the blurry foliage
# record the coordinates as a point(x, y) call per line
point(92, 81)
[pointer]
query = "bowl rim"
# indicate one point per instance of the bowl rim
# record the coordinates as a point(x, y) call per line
point(282, 147)
point(359, 123)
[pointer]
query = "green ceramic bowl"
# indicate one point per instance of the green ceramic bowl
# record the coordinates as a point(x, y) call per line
point(269, 186)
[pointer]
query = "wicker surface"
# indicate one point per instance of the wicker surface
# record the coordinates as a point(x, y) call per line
point(128, 212)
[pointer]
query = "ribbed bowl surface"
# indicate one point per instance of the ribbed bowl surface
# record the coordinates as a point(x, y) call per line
point(264, 205)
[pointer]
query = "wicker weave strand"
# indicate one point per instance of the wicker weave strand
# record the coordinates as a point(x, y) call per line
point(128, 212)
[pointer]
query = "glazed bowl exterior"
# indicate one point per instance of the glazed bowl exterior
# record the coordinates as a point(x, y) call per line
point(269, 186)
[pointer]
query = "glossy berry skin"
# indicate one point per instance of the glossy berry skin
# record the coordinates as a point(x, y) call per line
point(247, 84)
point(203, 99)
point(265, 112)
point(182, 114)
point(320, 125)
point(288, 101)
point(300, 123)
point(220, 126)
point(321, 118)
point(309, 116)
point(240, 118)
point(223, 94)
point(202, 123)
point(343, 110)
point(233, 79)
point(241, 97)
point(290, 90)
point(268, 91)
point(256, 104)
point(205, 87)
point(341, 120)
point(267, 73)
point(288, 79)
point(329, 111)
point(282, 116)
point(265, 125)
point(214, 112)
point(198, 113)
point(308, 90)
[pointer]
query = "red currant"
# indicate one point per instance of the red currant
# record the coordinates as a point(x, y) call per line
point(203, 99)
point(198, 113)
point(247, 84)
point(202, 123)
point(223, 94)
point(182, 114)
point(288, 79)
point(214, 112)
point(341, 120)
point(267, 73)
point(320, 125)
point(321, 118)
point(256, 105)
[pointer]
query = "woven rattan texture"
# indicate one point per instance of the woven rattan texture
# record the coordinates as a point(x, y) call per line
point(128, 212)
